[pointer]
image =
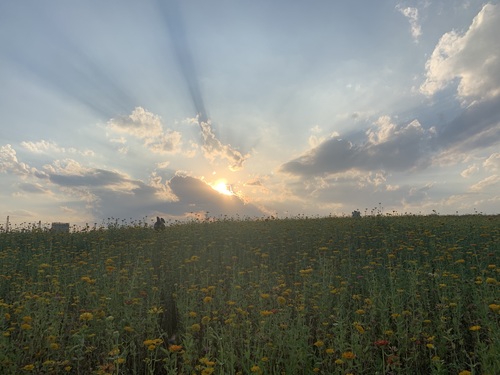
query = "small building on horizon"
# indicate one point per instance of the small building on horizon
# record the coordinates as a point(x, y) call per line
point(60, 228)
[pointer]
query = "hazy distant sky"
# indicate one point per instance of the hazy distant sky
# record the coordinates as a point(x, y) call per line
point(131, 109)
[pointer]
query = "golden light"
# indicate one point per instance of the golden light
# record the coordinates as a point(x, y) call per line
point(222, 187)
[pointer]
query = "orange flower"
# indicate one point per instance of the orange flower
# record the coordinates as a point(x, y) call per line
point(381, 343)
point(348, 355)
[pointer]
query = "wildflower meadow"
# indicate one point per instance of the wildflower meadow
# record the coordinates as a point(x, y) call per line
point(373, 295)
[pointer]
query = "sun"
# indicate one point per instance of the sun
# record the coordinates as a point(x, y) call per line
point(222, 187)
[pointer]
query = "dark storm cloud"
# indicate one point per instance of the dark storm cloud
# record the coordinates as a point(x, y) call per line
point(115, 195)
point(94, 177)
point(476, 127)
point(195, 195)
point(390, 147)
point(405, 147)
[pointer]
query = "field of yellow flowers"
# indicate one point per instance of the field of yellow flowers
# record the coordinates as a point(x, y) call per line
point(377, 295)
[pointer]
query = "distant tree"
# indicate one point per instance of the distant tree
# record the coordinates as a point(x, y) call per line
point(356, 214)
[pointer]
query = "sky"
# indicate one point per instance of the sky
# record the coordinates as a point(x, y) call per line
point(128, 110)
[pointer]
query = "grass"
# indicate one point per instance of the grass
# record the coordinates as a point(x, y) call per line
point(377, 295)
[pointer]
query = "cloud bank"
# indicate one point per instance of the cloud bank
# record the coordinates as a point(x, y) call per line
point(472, 59)
point(101, 193)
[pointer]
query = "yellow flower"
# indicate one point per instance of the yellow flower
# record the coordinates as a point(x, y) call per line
point(195, 328)
point(207, 299)
point(339, 361)
point(330, 351)
point(87, 316)
point(319, 344)
point(474, 328)
point(25, 327)
point(175, 348)
point(281, 300)
point(265, 295)
point(430, 346)
point(348, 355)
point(306, 272)
point(494, 307)
point(205, 320)
point(256, 369)
point(29, 367)
point(152, 343)
point(464, 372)
point(54, 346)
point(155, 310)
point(491, 281)
point(359, 327)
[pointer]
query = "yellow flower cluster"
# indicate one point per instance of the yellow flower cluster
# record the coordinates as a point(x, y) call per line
point(153, 343)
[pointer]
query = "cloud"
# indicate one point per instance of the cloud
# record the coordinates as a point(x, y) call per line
point(254, 182)
point(476, 127)
point(34, 188)
point(354, 189)
point(9, 162)
point(97, 193)
point(472, 59)
point(469, 171)
point(492, 163)
point(148, 127)
point(412, 15)
point(213, 148)
point(387, 146)
point(490, 181)
point(197, 196)
point(44, 147)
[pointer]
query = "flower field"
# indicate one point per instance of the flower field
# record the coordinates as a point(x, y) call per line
point(377, 295)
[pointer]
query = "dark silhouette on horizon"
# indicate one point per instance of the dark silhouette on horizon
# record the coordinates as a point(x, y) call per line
point(160, 223)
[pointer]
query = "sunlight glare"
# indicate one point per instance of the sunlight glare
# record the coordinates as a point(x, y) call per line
point(222, 187)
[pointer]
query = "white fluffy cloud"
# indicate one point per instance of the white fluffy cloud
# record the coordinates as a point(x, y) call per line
point(147, 127)
point(10, 163)
point(472, 59)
